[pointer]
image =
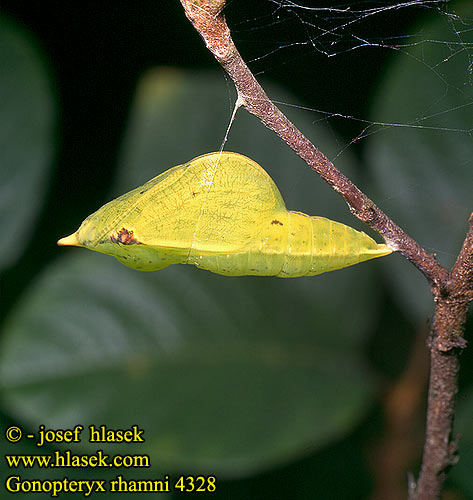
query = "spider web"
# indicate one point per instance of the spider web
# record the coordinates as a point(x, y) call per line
point(285, 33)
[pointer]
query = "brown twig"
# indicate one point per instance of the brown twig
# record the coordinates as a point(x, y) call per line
point(446, 344)
point(452, 291)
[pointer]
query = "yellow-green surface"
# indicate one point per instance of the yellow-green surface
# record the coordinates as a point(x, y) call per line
point(221, 212)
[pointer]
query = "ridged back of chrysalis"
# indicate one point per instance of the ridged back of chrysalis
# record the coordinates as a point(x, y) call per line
point(318, 245)
point(292, 244)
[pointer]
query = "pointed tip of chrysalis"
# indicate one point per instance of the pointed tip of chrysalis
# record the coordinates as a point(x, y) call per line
point(70, 240)
point(385, 249)
point(380, 250)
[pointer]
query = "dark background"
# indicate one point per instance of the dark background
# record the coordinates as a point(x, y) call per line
point(97, 52)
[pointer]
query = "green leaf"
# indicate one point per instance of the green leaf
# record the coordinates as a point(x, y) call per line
point(26, 138)
point(225, 375)
point(423, 177)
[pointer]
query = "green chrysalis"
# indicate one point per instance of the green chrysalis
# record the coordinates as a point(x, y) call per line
point(221, 212)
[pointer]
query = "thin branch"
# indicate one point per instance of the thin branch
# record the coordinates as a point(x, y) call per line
point(446, 345)
point(210, 23)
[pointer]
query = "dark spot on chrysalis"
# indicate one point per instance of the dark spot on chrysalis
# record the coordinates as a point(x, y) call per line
point(275, 221)
point(194, 193)
point(124, 237)
point(141, 192)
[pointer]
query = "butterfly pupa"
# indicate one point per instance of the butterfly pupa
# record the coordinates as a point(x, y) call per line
point(221, 212)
